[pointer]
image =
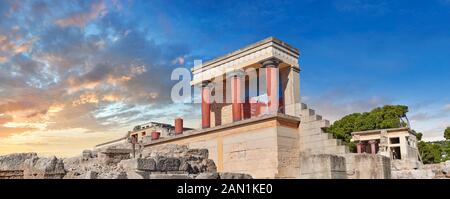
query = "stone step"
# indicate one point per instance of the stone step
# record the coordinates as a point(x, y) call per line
point(316, 137)
point(321, 143)
point(307, 112)
point(303, 106)
point(338, 150)
point(305, 126)
point(311, 118)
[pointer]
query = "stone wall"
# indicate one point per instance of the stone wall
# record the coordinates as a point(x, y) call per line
point(262, 147)
point(30, 166)
point(170, 162)
point(367, 166)
point(322, 166)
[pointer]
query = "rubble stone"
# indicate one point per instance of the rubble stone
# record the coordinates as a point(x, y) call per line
point(228, 175)
point(170, 176)
point(137, 175)
point(112, 156)
point(138, 164)
point(214, 175)
point(87, 154)
point(168, 164)
point(44, 168)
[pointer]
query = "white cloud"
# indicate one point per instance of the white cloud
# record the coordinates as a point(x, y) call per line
point(447, 107)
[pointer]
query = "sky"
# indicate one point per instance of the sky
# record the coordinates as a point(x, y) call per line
point(74, 74)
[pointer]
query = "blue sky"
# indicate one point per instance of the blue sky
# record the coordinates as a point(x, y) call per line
point(82, 72)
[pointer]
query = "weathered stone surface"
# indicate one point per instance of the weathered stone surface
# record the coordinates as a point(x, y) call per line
point(73, 175)
point(446, 169)
point(210, 165)
point(113, 175)
point(112, 156)
point(413, 174)
point(87, 154)
point(115, 163)
point(227, 175)
point(44, 168)
point(367, 166)
point(168, 164)
point(197, 153)
point(138, 164)
point(322, 166)
point(214, 175)
point(91, 175)
point(11, 174)
point(13, 162)
point(170, 176)
point(137, 175)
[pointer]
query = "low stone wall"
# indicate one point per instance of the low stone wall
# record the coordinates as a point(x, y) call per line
point(413, 174)
point(322, 166)
point(30, 166)
point(367, 166)
point(428, 171)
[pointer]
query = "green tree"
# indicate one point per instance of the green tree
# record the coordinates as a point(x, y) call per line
point(447, 133)
point(430, 152)
point(379, 118)
point(419, 136)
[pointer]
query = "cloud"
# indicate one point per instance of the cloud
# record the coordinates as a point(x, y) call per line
point(82, 18)
point(10, 47)
point(7, 131)
point(5, 118)
point(65, 77)
point(447, 107)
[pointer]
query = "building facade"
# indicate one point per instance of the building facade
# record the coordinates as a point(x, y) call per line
point(399, 144)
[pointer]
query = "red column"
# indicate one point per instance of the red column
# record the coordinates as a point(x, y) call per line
point(373, 146)
point(236, 96)
point(272, 85)
point(359, 147)
point(206, 107)
point(178, 126)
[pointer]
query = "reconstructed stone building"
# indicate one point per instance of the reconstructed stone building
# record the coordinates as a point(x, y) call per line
point(400, 144)
point(254, 122)
point(265, 133)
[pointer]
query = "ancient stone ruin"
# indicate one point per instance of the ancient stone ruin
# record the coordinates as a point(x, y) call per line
point(170, 162)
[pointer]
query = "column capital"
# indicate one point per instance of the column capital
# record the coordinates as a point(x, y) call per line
point(295, 69)
point(236, 74)
point(270, 63)
point(372, 141)
point(205, 83)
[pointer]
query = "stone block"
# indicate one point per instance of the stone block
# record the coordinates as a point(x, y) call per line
point(322, 166)
point(214, 175)
point(169, 176)
point(44, 168)
point(228, 175)
point(91, 175)
point(368, 166)
point(112, 156)
point(137, 175)
point(138, 164)
point(413, 174)
point(87, 154)
point(168, 164)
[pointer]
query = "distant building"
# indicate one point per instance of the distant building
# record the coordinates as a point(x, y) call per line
point(400, 144)
point(141, 133)
point(144, 131)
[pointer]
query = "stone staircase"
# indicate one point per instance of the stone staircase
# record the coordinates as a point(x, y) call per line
point(313, 139)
